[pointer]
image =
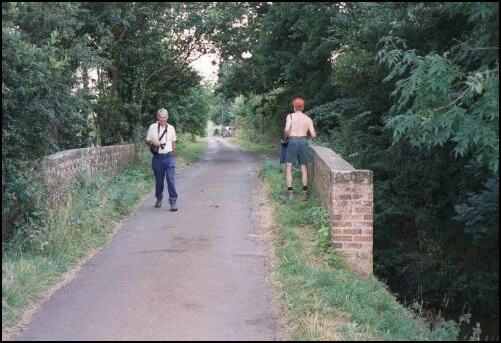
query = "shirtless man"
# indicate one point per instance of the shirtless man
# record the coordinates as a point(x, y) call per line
point(296, 129)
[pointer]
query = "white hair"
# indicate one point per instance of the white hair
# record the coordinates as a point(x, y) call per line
point(162, 111)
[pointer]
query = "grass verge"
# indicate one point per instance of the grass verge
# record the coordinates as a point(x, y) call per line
point(320, 298)
point(38, 258)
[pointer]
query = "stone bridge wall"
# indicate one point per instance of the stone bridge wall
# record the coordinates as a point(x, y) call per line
point(61, 167)
point(347, 194)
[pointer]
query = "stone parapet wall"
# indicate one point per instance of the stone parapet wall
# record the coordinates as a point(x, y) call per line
point(62, 167)
point(347, 194)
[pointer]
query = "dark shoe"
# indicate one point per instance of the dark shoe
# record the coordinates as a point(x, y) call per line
point(158, 203)
point(306, 195)
point(288, 195)
point(173, 207)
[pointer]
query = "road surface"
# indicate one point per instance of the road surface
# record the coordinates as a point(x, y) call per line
point(195, 274)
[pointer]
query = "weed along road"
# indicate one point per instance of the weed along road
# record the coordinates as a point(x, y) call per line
point(194, 274)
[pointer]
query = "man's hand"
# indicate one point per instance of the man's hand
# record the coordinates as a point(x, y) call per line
point(153, 142)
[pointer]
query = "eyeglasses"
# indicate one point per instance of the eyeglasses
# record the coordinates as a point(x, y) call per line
point(162, 117)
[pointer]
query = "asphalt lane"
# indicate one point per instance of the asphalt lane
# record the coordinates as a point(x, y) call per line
point(192, 275)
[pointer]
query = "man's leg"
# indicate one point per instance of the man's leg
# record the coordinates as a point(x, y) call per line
point(304, 180)
point(289, 195)
point(171, 184)
point(288, 175)
point(304, 174)
point(304, 157)
point(159, 173)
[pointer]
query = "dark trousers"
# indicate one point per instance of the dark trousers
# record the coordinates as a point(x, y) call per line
point(164, 167)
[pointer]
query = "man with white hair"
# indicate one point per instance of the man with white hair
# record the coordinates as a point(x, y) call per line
point(163, 136)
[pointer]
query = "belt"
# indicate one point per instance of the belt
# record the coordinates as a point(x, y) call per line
point(297, 137)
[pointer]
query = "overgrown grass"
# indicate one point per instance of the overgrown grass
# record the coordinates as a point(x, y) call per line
point(321, 298)
point(81, 220)
point(255, 142)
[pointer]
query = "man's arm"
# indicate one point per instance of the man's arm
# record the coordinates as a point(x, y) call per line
point(313, 133)
point(174, 139)
point(153, 141)
point(150, 138)
point(287, 127)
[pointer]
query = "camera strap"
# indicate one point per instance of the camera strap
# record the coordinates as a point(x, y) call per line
point(165, 131)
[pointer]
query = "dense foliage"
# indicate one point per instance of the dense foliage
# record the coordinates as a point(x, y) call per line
point(411, 92)
point(77, 75)
point(407, 90)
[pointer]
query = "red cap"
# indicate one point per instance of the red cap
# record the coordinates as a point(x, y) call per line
point(298, 103)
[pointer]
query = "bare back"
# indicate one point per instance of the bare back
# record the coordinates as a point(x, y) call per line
point(299, 124)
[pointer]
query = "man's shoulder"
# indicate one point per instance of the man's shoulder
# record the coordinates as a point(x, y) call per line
point(301, 115)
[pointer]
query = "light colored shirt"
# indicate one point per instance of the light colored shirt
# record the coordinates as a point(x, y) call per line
point(168, 138)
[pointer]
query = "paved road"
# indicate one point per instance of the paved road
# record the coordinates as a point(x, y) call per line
point(195, 274)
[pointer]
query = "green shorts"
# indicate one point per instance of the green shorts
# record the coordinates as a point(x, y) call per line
point(298, 151)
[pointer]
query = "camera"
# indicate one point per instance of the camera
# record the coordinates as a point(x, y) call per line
point(162, 145)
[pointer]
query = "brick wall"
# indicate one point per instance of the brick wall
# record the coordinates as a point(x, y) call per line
point(347, 194)
point(60, 168)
